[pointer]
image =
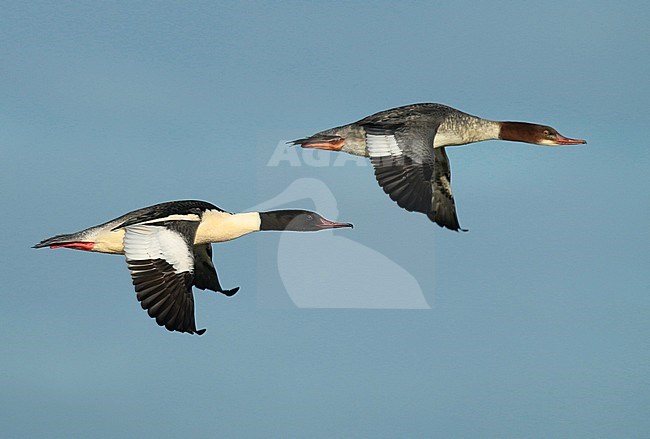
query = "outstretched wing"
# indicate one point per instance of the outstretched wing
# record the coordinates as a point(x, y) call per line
point(443, 209)
point(161, 260)
point(414, 174)
point(205, 275)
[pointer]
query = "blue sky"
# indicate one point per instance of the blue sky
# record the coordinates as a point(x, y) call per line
point(538, 319)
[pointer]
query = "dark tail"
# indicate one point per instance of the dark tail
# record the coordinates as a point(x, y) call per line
point(59, 240)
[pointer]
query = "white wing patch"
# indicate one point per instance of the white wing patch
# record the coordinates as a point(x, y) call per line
point(143, 242)
point(382, 146)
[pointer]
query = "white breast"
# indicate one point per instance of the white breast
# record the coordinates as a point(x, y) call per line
point(222, 226)
point(107, 241)
point(448, 138)
point(463, 129)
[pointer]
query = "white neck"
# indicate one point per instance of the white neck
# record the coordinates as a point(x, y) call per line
point(222, 226)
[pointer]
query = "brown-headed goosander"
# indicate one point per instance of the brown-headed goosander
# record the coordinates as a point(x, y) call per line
point(168, 249)
point(406, 146)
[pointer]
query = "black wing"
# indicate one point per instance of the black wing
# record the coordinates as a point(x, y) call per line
point(205, 274)
point(161, 262)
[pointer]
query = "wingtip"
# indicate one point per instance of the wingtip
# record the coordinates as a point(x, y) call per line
point(231, 292)
point(200, 331)
point(446, 223)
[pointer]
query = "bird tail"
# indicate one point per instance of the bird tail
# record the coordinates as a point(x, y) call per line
point(70, 240)
point(320, 141)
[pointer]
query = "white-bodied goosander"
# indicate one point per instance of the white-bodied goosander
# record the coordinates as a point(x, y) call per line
point(168, 249)
point(406, 146)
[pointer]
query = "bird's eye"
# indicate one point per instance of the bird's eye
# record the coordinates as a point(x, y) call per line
point(547, 133)
point(309, 217)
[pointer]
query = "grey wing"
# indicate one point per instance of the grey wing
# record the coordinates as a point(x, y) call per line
point(402, 166)
point(406, 168)
point(426, 113)
point(161, 263)
point(443, 209)
point(205, 274)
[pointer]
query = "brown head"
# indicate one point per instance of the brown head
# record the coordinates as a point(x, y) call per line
point(535, 134)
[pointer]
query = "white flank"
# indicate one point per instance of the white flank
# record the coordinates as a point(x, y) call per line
point(382, 146)
point(219, 226)
point(142, 242)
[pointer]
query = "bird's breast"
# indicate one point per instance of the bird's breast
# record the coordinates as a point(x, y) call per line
point(108, 241)
point(449, 138)
point(462, 129)
point(219, 226)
